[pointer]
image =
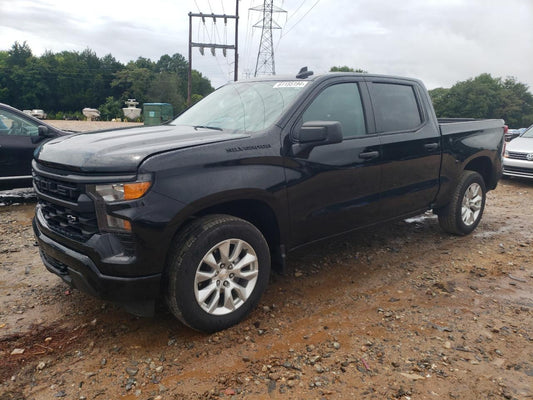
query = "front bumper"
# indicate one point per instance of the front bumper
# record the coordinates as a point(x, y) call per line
point(518, 168)
point(136, 294)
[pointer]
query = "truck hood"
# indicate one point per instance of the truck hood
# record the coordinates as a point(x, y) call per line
point(123, 150)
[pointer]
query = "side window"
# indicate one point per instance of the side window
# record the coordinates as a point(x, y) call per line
point(340, 102)
point(395, 107)
point(11, 124)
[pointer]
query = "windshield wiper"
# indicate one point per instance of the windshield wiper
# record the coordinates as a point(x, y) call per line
point(216, 128)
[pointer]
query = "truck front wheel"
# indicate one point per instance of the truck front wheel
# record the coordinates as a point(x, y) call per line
point(462, 215)
point(217, 272)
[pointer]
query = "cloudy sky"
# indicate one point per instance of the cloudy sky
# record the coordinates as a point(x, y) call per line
point(438, 41)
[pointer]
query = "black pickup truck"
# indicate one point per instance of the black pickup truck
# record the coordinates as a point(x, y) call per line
point(197, 210)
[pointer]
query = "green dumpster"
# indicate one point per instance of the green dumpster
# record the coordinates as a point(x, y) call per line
point(157, 113)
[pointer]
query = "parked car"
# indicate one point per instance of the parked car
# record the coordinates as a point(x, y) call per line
point(518, 156)
point(512, 134)
point(20, 134)
point(38, 113)
point(197, 210)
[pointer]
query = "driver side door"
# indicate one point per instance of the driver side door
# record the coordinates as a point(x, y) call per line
point(335, 187)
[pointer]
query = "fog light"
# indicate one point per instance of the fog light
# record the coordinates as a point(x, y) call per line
point(118, 223)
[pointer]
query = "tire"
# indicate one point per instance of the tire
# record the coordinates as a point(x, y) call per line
point(217, 272)
point(462, 215)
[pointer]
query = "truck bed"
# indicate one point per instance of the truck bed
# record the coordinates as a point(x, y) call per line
point(450, 126)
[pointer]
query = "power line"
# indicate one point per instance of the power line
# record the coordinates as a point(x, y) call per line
point(300, 20)
point(197, 5)
point(296, 11)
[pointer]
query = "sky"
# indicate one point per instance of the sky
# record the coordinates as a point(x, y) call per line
point(438, 41)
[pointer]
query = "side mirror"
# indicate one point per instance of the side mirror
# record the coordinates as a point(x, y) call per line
point(43, 131)
point(316, 133)
point(43, 134)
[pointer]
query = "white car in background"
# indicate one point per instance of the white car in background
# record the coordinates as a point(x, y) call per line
point(518, 156)
point(37, 113)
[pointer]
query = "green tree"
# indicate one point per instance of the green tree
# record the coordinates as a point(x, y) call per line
point(64, 83)
point(110, 109)
point(133, 82)
point(486, 97)
point(15, 76)
point(200, 84)
point(19, 54)
point(165, 88)
point(345, 68)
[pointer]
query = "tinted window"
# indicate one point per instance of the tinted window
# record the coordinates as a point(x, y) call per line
point(342, 103)
point(395, 107)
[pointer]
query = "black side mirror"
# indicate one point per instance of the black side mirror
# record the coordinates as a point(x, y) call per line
point(44, 133)
point(316, 133)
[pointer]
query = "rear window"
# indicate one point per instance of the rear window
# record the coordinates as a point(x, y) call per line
point(395, 107)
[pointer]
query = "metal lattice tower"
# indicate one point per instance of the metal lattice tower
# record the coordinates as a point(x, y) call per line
point(265, 64)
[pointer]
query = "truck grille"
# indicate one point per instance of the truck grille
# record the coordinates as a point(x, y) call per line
point(55, 188)
point(67, 222)
point(517, 155)
point(68, 211)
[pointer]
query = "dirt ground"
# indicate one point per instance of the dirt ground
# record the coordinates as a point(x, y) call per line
point(84, 126)
point(401, 311)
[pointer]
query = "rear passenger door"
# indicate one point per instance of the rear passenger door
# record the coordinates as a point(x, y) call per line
point(410, 146)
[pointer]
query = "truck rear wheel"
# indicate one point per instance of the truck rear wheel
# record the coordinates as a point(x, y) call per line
point(462, 215)
point(217, 272)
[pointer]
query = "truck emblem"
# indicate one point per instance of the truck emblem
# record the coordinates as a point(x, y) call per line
point(530, 157)
point(72, 219)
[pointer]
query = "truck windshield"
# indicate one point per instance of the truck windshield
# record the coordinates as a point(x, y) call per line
point(243, 107)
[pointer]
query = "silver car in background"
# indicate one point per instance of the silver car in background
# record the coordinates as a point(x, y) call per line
point(518, 156)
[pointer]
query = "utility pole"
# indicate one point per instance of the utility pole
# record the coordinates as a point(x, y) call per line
point(265, 64)
point(213, 46)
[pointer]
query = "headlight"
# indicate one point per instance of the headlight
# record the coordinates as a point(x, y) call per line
point(122, 191)
point(108, 193)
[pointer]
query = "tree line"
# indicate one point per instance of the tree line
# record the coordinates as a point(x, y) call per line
point(486, 97)
point(480, 97)
point(64, 83)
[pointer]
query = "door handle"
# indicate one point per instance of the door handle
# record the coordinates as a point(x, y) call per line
point(431, 146)
point(369, 155)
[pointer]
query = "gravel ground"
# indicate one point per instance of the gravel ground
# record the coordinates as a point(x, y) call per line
point(402, 311)
point(84, 126)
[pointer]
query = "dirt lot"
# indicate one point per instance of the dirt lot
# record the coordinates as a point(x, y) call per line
point(402, 311)
point(84, 126)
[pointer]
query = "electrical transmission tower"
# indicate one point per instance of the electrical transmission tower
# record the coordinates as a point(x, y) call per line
point(265, 64)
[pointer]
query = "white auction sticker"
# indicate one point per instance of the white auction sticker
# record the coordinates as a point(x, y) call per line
point(290, 84)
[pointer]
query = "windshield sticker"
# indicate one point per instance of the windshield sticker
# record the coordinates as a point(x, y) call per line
point(292, 84)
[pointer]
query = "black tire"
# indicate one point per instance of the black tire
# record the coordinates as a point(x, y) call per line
point(451, 218)
point(204, 241)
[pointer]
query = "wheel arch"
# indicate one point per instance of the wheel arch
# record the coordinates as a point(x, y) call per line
point(258, 211)
point(483, 166)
